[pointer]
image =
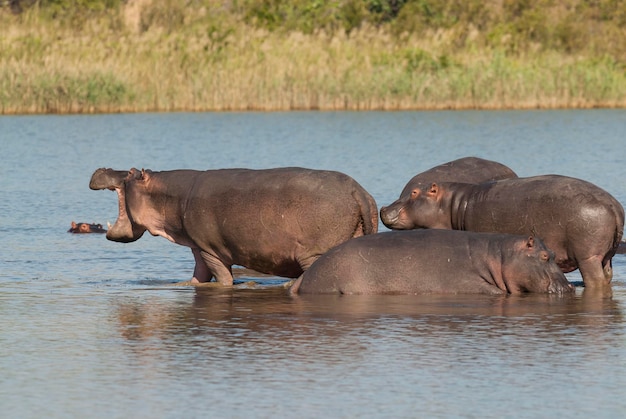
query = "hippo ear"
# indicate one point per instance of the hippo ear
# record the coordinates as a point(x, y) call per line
point(433, 190)
point(530, 243)
point(146, 174)
point(133, 174)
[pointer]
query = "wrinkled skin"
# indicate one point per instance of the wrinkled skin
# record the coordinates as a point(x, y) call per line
point(580, 222)
point(83, 228)
point(275, 221)
point(435, 262)
point(466, 170)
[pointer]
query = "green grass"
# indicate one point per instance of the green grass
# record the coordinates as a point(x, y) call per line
point(203, 57)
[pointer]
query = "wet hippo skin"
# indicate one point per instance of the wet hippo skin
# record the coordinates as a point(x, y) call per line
point(466, 170)
point(274, 221)
point(82, 228)
point(435, 262)
point(580, 222)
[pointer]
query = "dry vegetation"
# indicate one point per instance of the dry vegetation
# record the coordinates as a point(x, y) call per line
point(162, 55)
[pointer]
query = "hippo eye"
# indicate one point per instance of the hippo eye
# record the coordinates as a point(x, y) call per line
point(415, 193)
point(544, 256)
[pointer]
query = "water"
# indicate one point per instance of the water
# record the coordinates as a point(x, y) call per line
point(94, 328)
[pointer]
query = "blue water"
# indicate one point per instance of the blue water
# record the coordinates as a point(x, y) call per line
point(93, 328)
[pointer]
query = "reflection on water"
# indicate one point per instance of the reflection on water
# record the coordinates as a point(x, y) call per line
point(96, 328)
point(403, 344)
point(235, 315)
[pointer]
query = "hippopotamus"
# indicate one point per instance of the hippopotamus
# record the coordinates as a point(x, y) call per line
point(435, 262)
point(466, 169)
point(81, 228)
point(274, 221)
point(580, 222)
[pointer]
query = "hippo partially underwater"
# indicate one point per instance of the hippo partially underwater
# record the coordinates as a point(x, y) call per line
point(85, 228)
point(435, 262)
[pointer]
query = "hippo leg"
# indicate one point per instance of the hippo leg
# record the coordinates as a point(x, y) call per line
point(593, 271)
point(201, 272)
point(221, 272)
point(607, 268)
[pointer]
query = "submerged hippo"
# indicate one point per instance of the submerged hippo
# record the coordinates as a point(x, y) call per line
point(580, 222)
point(81, 228)
point(435, 262)
point(466, 170)
point(275, 221)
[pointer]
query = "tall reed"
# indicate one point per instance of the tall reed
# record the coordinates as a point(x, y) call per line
point(220, 63)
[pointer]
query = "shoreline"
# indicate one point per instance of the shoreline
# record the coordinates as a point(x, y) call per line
point(262, 109)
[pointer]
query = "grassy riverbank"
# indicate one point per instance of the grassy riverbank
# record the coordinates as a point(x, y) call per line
point(162, 55)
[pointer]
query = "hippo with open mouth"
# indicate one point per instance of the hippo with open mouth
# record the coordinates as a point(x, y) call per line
point(274, 221)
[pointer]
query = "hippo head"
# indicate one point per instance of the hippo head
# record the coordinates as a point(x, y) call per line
point(421, 208)
point(529, 266)
point(84, 228)
point(125, 229)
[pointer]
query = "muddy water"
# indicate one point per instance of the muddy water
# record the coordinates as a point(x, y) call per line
point(92, 327)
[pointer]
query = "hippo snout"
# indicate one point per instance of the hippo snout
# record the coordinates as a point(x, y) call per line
point(389, 215)
point(107, 179)
point(560, 286)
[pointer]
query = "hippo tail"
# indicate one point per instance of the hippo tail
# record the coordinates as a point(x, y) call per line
point(618, 245)
point(369, 213)
point(619, 229)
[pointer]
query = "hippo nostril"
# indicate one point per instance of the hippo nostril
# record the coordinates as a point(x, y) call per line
point(389, 212)
point(389, 215)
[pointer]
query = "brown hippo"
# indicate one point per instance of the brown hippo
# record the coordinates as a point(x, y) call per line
point(275, 221)
point(82, 228)
point(580, 222)
point(435, 262)
point(466, 170)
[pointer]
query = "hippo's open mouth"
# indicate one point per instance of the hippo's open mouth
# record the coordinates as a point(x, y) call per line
point(124, 229)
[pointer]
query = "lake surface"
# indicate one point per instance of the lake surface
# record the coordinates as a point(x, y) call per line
point(93, 328)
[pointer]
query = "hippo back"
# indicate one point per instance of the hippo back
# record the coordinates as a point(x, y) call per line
point(466, 169)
